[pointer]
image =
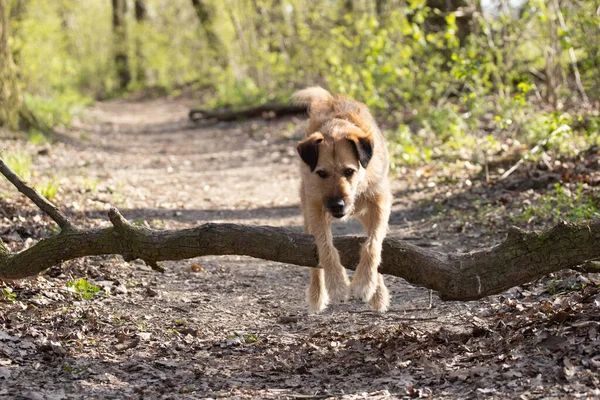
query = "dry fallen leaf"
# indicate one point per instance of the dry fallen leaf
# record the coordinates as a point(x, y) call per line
point(197, 268)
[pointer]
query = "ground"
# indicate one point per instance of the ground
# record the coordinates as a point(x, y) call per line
point(235, 327)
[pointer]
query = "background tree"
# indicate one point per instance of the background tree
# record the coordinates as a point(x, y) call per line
point(443, 8)
point(141, 15)
point(119, 8)
point(206, 16)
point(10, 95)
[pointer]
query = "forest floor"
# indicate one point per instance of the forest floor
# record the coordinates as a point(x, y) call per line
point(235, 327)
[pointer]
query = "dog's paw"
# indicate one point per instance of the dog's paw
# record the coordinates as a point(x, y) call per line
point(338, 288)
point(317, 299)
point(316, 294)
point(364, 285)
point(380, 301)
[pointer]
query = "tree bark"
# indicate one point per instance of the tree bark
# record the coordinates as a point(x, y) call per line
point(11, 102)
point(141, 15)
point(262, 111)
point(119, 9)
point(521, 258)
point(206, 16)
point(437, 22)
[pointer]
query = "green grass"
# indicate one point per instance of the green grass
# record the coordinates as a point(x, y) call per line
point(20, 162)
point(563, 204)
point(49, 189)
point(91, 185)
point(37, 138)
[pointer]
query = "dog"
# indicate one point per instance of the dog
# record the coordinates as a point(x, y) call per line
point(344, 168)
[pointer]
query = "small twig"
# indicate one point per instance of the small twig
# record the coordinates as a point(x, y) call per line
point(430, 307)
point(512, 169)
point(534, 150)
point(564, 27)
point(588, 267)
point(44, 204)
point(395, 317)
point(414, 318)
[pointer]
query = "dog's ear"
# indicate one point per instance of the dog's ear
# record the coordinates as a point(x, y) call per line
point(363, 145)
point(309, 150)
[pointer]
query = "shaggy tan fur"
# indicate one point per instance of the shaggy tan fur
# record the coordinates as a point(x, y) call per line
point(344, 172)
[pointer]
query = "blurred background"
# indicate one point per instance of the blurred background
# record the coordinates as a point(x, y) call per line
point(445, 77)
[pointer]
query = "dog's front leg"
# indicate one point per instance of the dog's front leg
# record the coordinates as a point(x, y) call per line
point(316, 295)
point(336, 280)
point(367, 284)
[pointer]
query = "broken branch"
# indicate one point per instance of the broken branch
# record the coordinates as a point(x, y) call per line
point(46, 206)
point(521, 258)
point(261, 111)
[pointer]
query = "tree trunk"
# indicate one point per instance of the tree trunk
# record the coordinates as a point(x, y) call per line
point(381, 9)
point(11, 101)
point(119, 10)
point(17, 13)
point(437, 22)
point(206, 16)
point(521, 258)
point(141, 15)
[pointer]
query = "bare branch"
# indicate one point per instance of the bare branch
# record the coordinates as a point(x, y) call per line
point(53, 212)
point(590, 267)
point(564, 27)
point(521, 258)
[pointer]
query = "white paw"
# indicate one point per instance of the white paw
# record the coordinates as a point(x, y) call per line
point(380, 301)
point(317, 299)
point(339, 290)
point(364, 285)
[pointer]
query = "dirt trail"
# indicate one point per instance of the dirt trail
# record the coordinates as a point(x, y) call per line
point(216, 327)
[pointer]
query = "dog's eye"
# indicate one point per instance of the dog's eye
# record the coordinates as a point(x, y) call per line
point(322, 174)
point(348, 173)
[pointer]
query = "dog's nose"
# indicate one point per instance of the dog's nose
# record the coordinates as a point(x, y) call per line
point(336, 206)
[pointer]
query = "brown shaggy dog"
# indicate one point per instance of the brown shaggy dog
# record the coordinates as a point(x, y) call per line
point(344, 173)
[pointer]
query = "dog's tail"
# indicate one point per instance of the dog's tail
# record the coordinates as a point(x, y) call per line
point(311, 96)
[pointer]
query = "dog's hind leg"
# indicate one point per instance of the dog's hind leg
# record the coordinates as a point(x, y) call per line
point(366, 280)
point(336, 280)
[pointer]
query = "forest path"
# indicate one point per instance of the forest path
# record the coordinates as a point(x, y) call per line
point(226, 327)
point(156, 166)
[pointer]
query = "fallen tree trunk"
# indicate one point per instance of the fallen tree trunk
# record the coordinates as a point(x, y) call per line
point(262, 111)
point(521, 258)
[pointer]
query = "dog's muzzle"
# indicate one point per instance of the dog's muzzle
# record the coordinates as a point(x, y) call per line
point(337, 207)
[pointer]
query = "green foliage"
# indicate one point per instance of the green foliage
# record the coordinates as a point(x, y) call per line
point(59, 109)
point(36, 137)
point(83, 288)
point(238, 93)
point(8, 295)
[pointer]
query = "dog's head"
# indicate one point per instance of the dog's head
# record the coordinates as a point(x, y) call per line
point(337, 156)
